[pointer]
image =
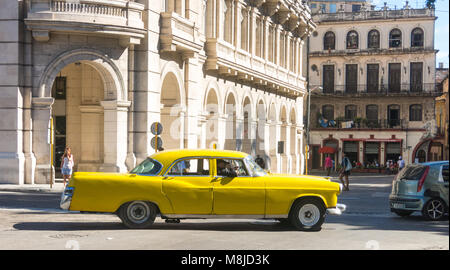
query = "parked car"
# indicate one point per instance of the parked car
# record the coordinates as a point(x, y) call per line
point(421, 187)
point(182, 184)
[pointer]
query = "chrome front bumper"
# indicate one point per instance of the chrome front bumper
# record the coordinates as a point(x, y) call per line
point(66, 198)
point(338, 210)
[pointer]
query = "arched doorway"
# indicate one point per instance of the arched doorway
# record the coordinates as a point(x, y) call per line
point(78, 116)
point(172, 113)
point(293, 143)
point(273, 137)
point(282, 143)
point(83, 91)
point(260, 147)
point(212, 115)
point(247, 136)
point(230, 127)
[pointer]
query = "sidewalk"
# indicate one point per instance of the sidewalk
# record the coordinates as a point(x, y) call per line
point(320, 172)
point(41, 188)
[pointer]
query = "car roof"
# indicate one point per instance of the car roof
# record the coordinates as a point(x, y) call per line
point(435, 163)
point(168, 156)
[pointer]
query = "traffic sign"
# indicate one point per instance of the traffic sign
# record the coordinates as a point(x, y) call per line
point(156, 128)
point(153, 143)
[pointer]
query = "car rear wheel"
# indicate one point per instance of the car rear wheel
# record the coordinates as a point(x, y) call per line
point(308, 214)
point(434, 209)
point(137, 214)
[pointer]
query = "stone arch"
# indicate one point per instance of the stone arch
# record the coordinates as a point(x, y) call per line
point(273, 138)
point(272, 112)
point(231, 110)
point(247, 124)
point(261, 108)
point(231, 92)
point(212, 112)
point(172, 109)
point(171, 68)
point(213, 88)
point(114, 84)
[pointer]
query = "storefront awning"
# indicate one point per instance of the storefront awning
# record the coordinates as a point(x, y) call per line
point(327, 150)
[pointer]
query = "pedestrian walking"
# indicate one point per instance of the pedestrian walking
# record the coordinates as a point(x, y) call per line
point(328, 164)
point(346, 167)
point(401, 163)
point(67, 164)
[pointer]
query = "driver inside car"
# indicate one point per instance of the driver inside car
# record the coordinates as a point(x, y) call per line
point(224, 169)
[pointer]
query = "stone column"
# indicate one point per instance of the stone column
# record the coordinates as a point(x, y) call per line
point(14, 79)
point(252, 35)
point(146, 87)
point(41, 113)
point(278, 30)
point(192, 76)
point(115, 135)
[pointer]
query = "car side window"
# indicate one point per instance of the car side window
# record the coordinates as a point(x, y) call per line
point(190, 167)
point(231, 168)
point(445, 173)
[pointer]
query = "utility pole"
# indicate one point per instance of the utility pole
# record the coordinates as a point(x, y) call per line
point(308, 107)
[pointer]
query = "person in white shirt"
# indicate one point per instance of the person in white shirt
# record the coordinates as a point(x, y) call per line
point(67, 164)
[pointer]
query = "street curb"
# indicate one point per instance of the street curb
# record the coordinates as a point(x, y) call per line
point(30, 189)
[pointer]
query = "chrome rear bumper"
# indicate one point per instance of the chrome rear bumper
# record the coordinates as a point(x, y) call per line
point(66, 198)
point(338, 210)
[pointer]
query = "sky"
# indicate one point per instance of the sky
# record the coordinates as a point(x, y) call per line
point(441, 25)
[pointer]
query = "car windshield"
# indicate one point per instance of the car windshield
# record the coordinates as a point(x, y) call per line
point(148, 167)
point(253, 167)
point(412, 172)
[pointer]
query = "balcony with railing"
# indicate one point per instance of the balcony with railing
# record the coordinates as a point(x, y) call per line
point(258, 50)
point(383, 14)
point(361, 123)
point(120, 18)
point(425, 89)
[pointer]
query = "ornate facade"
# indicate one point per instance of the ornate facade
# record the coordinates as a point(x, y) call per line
point(94, 75)
point(372, 75)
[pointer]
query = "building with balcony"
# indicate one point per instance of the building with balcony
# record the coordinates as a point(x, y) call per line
point(95, 74)
point(372, 76)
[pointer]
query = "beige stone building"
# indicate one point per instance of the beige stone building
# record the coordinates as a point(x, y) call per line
point(95, 74)
point(442, 115)
point(372, 76)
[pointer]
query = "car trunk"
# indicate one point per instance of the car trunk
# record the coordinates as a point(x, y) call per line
point(408, 179)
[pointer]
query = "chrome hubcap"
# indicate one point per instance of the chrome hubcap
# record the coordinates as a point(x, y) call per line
point(138, 212)
point(435, 209)
point(309, 215)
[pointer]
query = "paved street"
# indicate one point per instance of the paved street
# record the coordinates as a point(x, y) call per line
point(32, 220)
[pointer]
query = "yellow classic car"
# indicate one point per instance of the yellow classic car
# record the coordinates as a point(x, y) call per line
point(182, 184)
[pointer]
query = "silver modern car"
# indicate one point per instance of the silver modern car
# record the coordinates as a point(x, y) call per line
point(421, 187)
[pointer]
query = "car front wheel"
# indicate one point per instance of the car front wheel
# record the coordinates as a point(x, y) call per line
point(137, 214)
point(434, 209)
point(308, 214)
